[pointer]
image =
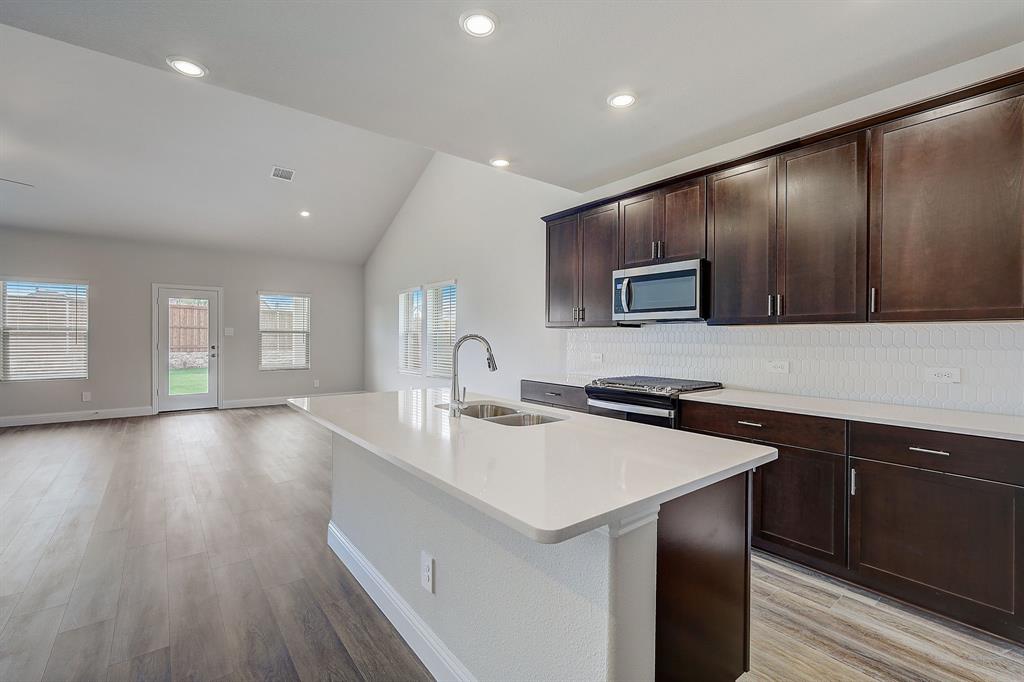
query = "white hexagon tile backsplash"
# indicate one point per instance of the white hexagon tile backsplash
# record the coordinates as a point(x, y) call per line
point(885, 363)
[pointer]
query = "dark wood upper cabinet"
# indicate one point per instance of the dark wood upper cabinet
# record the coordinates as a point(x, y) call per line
point(800, 506)
point(822, 232)
point(599, 257)
point(947, 212)
point(741, 234)
point(684, 223)
point(945, 542)
point(563, 265)
point(641, 229)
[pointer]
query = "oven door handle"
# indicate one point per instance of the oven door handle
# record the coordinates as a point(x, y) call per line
point(632, 409)
point(624, 295)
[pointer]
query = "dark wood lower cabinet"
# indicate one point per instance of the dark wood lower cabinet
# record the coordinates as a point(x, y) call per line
point(703, 607)
point(946, 542)
point(800, 506)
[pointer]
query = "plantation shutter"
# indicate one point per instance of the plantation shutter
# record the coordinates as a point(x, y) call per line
point(284, 331)
point(410, 331)
point(441, 300)
point(44, 330)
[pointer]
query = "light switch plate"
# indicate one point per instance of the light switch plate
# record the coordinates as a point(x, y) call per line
point(942, 375)
point(229, 331)
point(778, 366)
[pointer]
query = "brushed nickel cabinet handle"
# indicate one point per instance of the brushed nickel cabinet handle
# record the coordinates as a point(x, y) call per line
point(755, 424)
point(770, 299)
point(552, 394)
point(778, 304)
point(928, 452)
point(654, 250)
point(874, 298)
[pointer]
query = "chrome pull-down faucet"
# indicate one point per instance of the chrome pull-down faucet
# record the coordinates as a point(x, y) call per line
point(456, 402)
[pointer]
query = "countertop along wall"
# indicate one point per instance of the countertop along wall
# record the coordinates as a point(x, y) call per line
point(120, 274)
point(482, 227)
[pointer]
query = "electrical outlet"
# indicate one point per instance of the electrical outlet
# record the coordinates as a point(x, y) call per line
point(229, 331)
point(597, 357)
point(942, 375)
point(778, 366)
point(427, 572)
point(86, 396)
point(316, 383)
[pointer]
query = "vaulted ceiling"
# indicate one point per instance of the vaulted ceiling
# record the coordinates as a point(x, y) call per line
point(124, 146)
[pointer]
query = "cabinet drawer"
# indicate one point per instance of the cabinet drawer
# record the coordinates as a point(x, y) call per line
point(783, 428)
point(992, 459)
point(570, 397)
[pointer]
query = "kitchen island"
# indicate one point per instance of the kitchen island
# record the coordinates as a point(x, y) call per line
point(531, 552)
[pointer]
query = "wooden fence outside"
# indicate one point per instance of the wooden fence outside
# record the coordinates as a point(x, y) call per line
point(189, 328)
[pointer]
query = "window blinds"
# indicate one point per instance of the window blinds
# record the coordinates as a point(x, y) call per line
point(410, 331)
point(441, 327)
point(284, 331)
point(44, 330)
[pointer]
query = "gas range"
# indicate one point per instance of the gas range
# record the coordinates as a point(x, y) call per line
point(654, 385)
point(650, 400)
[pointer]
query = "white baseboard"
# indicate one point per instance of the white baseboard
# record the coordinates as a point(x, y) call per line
point(437, 657)
point(83, 415)
point(253, 402)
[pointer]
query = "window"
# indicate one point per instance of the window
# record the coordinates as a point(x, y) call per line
point(441, 327)
point(44, 330)
point(284, 331)
point(410, 331)
point(427, 329)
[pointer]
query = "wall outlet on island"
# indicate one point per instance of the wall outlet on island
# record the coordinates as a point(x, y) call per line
point(427, 572)
point(86, 396)
point(942, 375)
point(316, 383)
point(778, 366)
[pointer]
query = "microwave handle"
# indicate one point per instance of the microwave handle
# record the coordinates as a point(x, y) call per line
point(624, 295)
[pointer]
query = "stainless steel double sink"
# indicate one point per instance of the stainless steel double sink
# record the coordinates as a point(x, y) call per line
point(500, 414)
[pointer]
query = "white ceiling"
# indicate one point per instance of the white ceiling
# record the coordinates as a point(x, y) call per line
point(115, 148)
point(706, 72)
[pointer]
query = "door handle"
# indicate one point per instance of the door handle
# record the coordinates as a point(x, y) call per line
point(778, 304)
point(654, 250)
point(929, 452)
point(624, 295)
point(770, 298)
point(750, 424)
point(661, 249)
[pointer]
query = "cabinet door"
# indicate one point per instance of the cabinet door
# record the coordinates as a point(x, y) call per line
point(949, 543)
point(640, 229)
point(599, 237)
point(947, 212)
point(741, 226)
point(800, 505)
point(563, 272)
point(822, 235)
point(684, 227)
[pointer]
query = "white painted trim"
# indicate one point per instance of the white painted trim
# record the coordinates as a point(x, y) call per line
point(253, 402)
point(437, 657)
point(83, 415)
point(155, 334)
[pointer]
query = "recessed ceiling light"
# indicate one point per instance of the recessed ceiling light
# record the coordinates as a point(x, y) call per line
point(304, 214)
point(621, 100)
point(500, 163)
point(187, 67)
point(478, 23)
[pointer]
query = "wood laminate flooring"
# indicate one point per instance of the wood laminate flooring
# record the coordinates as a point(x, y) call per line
point(192, 546)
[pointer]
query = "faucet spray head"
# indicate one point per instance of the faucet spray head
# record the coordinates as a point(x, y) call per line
point(492, 365)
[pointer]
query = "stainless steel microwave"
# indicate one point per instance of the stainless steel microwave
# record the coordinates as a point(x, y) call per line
point(659, 293)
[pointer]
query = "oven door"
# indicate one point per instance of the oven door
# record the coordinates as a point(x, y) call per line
point(644, 414)
point(670, 291)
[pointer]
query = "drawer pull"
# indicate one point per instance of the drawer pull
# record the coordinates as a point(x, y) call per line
point(755, 424)
point(928, 452)
point(552, 394)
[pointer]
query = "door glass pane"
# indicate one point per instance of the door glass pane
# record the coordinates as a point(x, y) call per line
point(188, 346)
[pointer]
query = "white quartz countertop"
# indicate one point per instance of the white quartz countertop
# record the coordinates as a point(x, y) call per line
point(1008, 427)
point(550, 482)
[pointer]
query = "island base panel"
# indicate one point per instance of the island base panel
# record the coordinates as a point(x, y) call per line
point(703, 595)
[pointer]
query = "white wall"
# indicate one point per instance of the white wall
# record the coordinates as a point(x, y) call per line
point(120, 274)
point(481, 227)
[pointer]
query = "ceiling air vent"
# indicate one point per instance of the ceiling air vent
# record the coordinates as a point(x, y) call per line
point(283, 173)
